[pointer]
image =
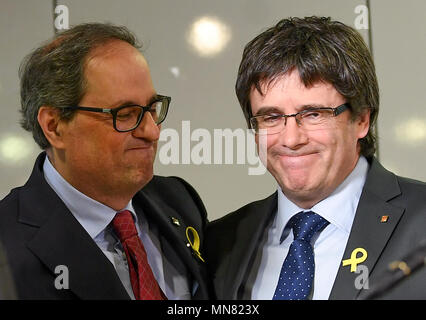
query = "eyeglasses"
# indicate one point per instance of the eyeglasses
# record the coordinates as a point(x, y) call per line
point(128, 117)
point(309, 119)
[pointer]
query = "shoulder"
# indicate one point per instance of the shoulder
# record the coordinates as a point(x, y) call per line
point(230, 221)
point(10, 200)
point(9, 207)
point(385, 183)
point(176, 193)
point(237, 231)
point(32, 188)
point(409, 195)
point(412, 198)
point(409, 190)
point(172, 183)
point(397, 190)
point(412, 186)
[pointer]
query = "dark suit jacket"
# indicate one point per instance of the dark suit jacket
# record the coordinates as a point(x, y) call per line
point(40, 233)
point(232, 241)
point(7, 286)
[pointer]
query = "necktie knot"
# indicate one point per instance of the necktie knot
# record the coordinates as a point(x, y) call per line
point(306, 224)
point(124, 226)
point(297, 271)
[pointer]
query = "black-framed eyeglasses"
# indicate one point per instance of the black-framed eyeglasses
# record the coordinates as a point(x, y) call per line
point(309, 119)
point(128, 117)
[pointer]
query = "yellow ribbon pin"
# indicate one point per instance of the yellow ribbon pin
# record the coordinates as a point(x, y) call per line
point(354, 260)
point(196, 244)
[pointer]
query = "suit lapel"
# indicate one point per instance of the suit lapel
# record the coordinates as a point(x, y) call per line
point(171, 234)
point(368, 231)
point(61, 240)
point(249, 232)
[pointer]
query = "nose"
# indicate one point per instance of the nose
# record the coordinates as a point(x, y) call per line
point(293, 136)
point(147, 129)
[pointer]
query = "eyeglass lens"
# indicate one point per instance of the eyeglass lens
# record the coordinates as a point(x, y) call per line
point(128, 118)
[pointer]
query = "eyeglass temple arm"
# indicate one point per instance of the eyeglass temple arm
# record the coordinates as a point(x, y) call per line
point(341, 108)
point(89, 109)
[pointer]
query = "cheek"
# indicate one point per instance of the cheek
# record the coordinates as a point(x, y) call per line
point(264, 144)
point(328, 140)
point(341, 152)
point(99, 148)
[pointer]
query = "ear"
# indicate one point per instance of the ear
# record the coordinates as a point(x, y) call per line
point(363, 123)
point(49, 120)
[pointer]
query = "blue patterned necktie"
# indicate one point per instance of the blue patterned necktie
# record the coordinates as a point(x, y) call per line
point(297, 272)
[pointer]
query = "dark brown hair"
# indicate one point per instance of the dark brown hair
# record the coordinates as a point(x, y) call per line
point(320, 50)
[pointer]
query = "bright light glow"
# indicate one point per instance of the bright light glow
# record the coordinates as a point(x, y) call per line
point(208, 36)
point(175, 71)
point(14, 149)
point(412, 131)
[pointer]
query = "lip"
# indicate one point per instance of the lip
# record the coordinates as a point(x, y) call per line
point(137, 148)
point(295, 155)
point(142, 147)
point(297, 160)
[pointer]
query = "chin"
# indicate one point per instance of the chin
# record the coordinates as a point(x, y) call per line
point(137, 178)
point(296, 183)
point(292, 178)
point(144, 177)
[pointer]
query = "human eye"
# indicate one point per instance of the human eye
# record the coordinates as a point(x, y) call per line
point(271, 118)
point(127, 113)
point(312, 114)
point(315, 116)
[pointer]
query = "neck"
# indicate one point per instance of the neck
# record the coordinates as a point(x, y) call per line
point(111, 197)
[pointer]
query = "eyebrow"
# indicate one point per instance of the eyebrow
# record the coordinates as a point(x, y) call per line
point(121, 103)
point(266, 110)
point(273, 109)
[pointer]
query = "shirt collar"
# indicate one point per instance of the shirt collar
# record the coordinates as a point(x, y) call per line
point(338, 208)
point(91, 214)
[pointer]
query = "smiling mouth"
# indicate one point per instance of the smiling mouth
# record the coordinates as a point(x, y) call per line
point(298, 160)
point(290, 155)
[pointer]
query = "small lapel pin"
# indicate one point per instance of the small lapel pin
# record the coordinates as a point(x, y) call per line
point(175, 221)
point(195, 244)
point(384, 219)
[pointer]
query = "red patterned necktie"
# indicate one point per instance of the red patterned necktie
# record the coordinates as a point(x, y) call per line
point(144, 285)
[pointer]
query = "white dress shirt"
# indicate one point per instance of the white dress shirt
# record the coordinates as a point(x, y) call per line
point(339, 209)
point(96, 217)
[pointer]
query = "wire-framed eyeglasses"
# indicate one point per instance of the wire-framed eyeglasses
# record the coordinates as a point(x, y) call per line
point(309, 119)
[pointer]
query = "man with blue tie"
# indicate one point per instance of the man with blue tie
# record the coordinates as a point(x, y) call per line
point(92, 221)
point(308, 89)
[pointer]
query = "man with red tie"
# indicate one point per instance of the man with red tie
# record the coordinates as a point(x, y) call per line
point(92, 213)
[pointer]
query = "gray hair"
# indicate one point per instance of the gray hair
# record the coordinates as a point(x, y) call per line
point(53, 74)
